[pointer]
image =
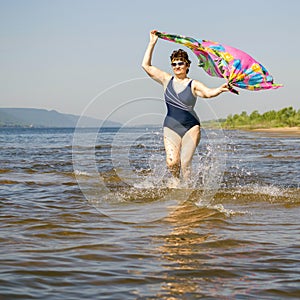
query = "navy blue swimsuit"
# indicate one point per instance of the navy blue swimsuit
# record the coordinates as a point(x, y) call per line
point(181, 115)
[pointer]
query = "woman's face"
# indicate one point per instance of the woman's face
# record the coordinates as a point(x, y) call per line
point(179, 67)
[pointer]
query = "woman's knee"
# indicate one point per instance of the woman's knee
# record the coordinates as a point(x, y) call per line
point(186, 162)
point(173, 162)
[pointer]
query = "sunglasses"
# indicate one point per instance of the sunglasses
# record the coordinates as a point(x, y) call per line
point(181, 63)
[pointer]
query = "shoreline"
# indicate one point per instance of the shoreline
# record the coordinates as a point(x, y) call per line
point(279, 130)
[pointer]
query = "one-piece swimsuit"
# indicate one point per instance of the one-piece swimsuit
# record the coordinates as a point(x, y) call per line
point(180, 109)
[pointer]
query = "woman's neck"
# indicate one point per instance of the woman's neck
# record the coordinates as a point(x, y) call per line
point(180, 77)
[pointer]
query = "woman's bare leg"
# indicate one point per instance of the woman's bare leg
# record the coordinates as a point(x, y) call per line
point(172, 142)
point(188, 146)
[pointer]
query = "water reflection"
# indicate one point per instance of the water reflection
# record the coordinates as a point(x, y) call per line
point(183, 251)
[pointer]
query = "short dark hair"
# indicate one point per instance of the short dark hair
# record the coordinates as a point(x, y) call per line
point(181, 55)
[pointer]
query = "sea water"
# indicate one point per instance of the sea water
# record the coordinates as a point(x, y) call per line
point(92, 215)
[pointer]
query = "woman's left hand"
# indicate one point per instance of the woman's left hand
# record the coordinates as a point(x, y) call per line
point(224, 88)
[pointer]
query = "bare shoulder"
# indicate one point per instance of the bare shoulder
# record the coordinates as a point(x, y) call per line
point(199, 89)
point(158, 75)
point(196, 85)
point(167, 78)
point(161, 76)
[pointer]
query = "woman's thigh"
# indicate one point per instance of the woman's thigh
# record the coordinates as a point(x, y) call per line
point(172, 142)
point(189, 143)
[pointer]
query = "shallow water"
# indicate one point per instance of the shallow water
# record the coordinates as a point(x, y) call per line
point(83, 221)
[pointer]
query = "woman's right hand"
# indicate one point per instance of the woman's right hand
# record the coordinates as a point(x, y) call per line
point(153, 36)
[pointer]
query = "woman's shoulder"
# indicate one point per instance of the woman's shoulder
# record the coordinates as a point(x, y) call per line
point(167, 78)
point(196, 83)
point(195, 86)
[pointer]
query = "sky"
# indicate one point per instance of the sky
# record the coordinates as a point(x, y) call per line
point(84, 57)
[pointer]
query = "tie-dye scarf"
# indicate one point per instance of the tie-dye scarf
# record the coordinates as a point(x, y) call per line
point(239, 68)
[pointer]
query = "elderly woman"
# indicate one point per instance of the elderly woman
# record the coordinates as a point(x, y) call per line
point(181, 125)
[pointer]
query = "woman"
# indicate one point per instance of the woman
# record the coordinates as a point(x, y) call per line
point(181, 125)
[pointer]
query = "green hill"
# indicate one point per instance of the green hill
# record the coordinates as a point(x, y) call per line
point(32, 117)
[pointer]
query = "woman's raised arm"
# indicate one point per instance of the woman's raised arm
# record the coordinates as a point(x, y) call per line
point(154, 72)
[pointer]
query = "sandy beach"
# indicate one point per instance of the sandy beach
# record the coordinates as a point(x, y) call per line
point(282, 130)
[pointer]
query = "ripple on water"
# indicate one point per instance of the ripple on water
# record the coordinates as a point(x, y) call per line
point(243, 244)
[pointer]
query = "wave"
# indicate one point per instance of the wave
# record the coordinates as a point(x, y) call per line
point(281, 157)
point(82, 173)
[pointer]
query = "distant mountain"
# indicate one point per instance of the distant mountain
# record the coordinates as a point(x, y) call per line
point(32, 117)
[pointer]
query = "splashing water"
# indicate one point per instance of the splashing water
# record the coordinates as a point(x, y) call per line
point(131, 170)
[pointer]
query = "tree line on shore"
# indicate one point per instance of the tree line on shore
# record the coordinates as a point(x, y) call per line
point(286, 117)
